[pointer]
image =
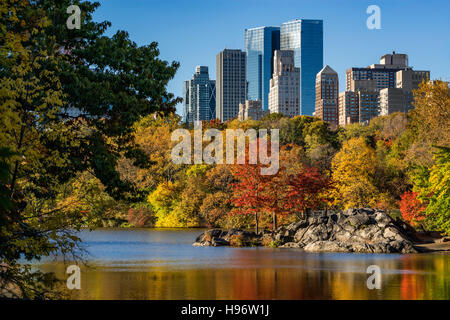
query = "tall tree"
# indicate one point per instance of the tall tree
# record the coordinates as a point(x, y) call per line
point(68, 100)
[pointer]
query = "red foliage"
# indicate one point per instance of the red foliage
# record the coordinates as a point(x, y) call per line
point(307, 189)
point(411, 208)
point(278, 194)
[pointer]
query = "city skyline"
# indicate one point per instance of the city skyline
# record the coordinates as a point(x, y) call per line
point(347, 40)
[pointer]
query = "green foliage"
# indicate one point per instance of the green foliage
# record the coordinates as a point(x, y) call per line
point(47, 73)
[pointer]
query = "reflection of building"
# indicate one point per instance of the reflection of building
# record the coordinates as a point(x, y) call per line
point(251, 110)
point(260, 43)
point(327, 92)
point(230, 83)
point(305, 37)
point(357, 106)
point(199, 97)
point(284, 94)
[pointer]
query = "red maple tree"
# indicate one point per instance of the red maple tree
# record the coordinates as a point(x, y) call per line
point(411, 208)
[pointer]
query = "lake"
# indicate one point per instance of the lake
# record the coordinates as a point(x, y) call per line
point(163, 264)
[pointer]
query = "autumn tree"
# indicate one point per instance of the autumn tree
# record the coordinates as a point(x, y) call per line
point(353, 175)
point(411, 208)
point(308, 189)
point(248, 196)
point(68, 101)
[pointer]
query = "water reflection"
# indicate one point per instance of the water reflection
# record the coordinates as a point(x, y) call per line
point(143, 264)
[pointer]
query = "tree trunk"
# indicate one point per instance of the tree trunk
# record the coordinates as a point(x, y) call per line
point(256, 223)
point(274, 217)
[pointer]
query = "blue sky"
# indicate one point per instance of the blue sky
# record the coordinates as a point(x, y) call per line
point(194, 31)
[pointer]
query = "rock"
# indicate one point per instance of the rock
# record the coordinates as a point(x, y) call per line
point(389, 233)
point(353, 230)
point(216, 242)
point(291, 245)
point(358, 220)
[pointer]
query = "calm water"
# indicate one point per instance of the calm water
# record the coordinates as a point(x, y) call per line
point(163, 264)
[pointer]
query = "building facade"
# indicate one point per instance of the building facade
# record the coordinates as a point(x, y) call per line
point(199, 97)
point(231, 87)
point(284, 93)
point(348, 108)
point(394, 100)
point(390, 83)
point(305, 38)
point(327, 95)
point(251, 109)
point(358, 106)
point(260, 44)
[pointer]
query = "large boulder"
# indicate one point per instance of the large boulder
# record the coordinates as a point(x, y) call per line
point(353, 230)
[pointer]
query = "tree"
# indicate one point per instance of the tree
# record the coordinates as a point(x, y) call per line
point(68, 100)
point(429, 121)
point(353, 172)
point(248, 195)
point(308, 189)
point(411, 208)
point(438, 209)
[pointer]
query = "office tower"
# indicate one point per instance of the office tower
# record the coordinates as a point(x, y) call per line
point(380, 76)
point(260, 43)
point(392, 78)
point(199, 97)
point(358, 106)
point(231, 86)
point(305, 37)
point(186, 112)
point(400, 98)
point(251, 109)
point(409, 79)
point(395, 100)
point(284, 94)
point(327, 95)
point(348, 108)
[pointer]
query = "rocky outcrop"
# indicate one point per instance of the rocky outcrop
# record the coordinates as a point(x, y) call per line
point(353, 230)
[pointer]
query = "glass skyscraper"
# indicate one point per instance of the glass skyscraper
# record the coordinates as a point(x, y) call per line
point(305, 37)
point(199, 97)
point(260, 43)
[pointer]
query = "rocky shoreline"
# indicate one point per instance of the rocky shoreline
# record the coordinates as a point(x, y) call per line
point(361, 230)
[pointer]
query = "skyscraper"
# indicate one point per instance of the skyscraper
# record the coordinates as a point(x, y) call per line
point(357, 106)
point(327, 95)
point(260, 43)
point(305, 37)
point(231, 86)
point(199, 97)
point(284, 94)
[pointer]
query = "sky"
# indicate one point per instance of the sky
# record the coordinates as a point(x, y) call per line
point(192, 32)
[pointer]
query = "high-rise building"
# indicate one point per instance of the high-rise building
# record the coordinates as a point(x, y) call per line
point(377, 76)
point(395, 100)
point(251, 109)
point(305, 37)
point(327, 95)
point(348, 108)
point(231, 87)
point(400, 98)
point(260, 44)
point(390, 83)
point(409, 79)
point(186, 113)
point(284, 94)
point(199, 97)
point(358, 106)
